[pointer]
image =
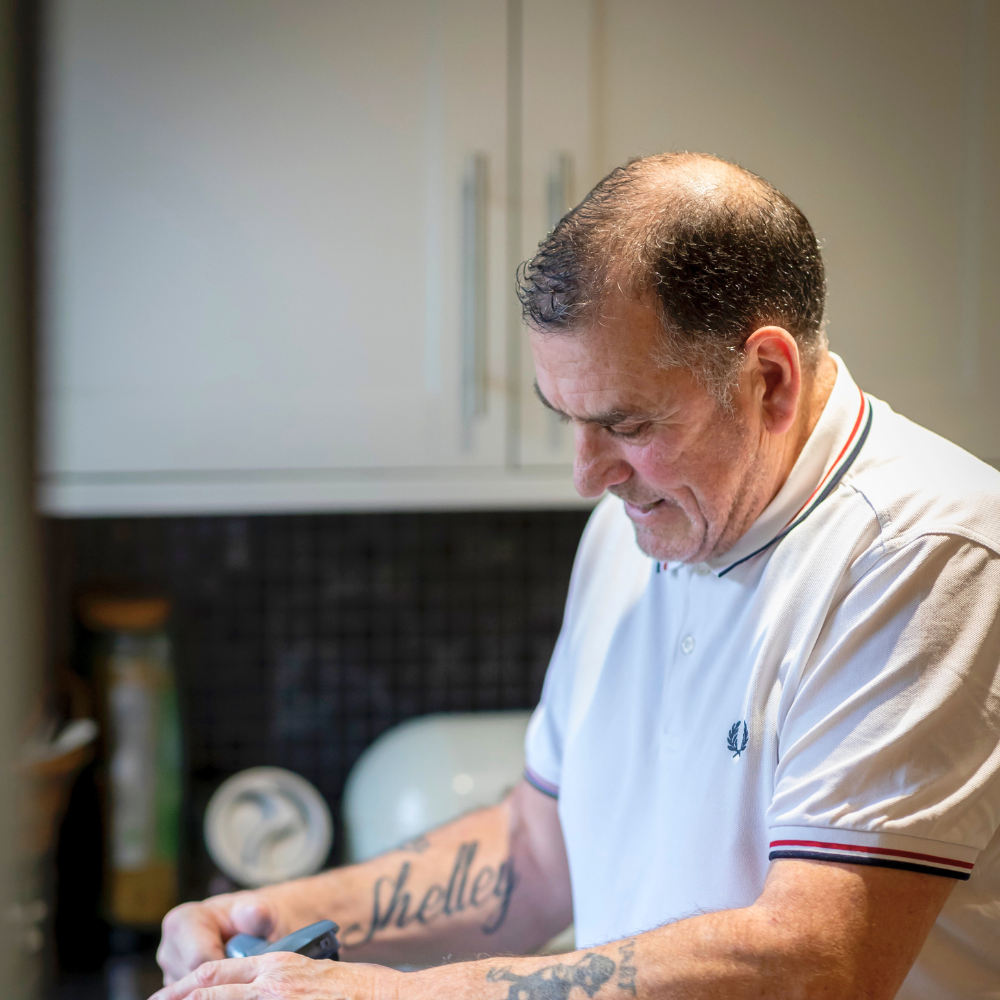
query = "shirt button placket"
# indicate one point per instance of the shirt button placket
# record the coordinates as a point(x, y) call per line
point(687, 641)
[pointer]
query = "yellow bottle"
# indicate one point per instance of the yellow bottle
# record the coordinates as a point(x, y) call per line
point(142, 756)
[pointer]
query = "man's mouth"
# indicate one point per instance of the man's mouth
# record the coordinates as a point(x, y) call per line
point(636, 508)
point(643, 508)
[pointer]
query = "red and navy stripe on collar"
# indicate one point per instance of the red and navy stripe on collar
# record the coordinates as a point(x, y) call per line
point(852, 448)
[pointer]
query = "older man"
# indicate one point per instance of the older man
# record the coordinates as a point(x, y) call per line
point(767, 757)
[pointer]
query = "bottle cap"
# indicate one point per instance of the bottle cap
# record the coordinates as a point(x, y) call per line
point(103, 612)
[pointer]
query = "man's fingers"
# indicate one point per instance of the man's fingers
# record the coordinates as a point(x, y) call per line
point(177, 962)
point(251, 916)
point(228, 972)
point(193, 933)
point(228, 992)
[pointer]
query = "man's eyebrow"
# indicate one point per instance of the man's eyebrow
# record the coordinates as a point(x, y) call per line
point(545, 402)
point(607, 418)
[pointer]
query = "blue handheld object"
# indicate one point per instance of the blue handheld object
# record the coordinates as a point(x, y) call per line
point(318, 940)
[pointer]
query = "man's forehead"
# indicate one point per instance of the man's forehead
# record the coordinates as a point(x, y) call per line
point(610, 367)
point(620, 325)
point(599, 347)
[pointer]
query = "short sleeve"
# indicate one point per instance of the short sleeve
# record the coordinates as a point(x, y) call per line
point(889, 744)
point(543, 744)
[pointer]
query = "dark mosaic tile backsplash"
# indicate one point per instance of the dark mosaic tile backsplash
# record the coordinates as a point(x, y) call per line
point(298, 639)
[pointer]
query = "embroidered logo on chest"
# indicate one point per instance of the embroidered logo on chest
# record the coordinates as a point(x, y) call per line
point(736, 747)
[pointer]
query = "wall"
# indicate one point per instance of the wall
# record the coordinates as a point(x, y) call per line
point(298, 639)
point(882, 122)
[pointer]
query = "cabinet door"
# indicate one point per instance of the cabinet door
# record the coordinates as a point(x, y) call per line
point(259, 216)
point(558, 164)
point(881, 121)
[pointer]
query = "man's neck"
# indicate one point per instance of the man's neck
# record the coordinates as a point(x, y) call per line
point(817, 385)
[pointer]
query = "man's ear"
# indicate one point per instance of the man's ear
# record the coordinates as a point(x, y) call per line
point(775, 369)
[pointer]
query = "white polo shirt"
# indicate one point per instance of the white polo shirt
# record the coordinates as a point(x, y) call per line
point(830, 688)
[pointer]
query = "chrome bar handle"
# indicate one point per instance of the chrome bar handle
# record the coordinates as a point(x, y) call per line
point(475, 219)
point(560, 187)
point(559, 202)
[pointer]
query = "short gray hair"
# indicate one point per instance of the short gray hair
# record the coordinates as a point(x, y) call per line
point(719, 251)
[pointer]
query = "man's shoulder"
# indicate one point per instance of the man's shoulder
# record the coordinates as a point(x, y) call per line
point(918, 482)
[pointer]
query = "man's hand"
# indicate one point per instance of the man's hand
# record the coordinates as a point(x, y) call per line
point(819, 929)
point(281, 976)
point(492, 881)
point(194, 933)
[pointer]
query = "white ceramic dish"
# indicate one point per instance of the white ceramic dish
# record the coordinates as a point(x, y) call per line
point(267, 825)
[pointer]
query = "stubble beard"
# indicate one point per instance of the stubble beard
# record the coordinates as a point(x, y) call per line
point(670, 549)
point(703, 533)
point(681, 541)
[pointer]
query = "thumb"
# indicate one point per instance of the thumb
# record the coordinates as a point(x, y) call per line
point(253, 915)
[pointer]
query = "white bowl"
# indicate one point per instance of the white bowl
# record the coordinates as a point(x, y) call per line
point(266, 825)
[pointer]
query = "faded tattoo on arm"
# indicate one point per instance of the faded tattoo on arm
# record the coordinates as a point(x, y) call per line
point(626, 967)
point(554, 982)
point(488, 890)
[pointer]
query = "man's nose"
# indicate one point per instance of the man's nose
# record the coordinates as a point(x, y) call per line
point(597, 463)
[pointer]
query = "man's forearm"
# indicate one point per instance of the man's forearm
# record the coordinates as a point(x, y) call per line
point(607, 972)
point(711, 957)
point(822, 931)
point(454, 893)
point(812, 934)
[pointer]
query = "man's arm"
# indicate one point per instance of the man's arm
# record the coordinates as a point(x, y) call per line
point(819, 930)
point(493, 881)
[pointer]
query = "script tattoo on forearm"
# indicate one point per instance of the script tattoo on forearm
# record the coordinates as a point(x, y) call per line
point(392, 904)
point(626, 967)
point(554, 982)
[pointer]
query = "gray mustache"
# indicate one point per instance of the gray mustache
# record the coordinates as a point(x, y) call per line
point(629, 497)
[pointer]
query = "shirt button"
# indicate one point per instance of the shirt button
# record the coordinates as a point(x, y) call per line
point(687, 644)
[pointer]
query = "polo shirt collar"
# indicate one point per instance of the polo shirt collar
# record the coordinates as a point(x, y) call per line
point(831, 448)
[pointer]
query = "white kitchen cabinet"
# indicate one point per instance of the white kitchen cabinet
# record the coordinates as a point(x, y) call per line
point(259, 284)
point(269, 281)
point(559, 154)
point(882, 122)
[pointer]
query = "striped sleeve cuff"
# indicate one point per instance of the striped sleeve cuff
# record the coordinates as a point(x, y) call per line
point(883, 850)
point(537, 781)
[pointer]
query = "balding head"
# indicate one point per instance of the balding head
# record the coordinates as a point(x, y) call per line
point(717, 250)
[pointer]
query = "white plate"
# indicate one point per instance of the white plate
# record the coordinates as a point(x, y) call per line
point(266, 825)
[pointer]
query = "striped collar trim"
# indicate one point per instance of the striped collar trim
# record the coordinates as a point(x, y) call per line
point(829, 482)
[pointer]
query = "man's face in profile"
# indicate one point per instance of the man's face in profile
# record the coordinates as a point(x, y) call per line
point(686, 469)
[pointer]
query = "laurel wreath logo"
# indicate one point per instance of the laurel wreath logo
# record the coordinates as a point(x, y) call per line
point(733, 742)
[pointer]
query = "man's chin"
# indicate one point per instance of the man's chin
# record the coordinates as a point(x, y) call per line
point(670, 549)
point(668, 536)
